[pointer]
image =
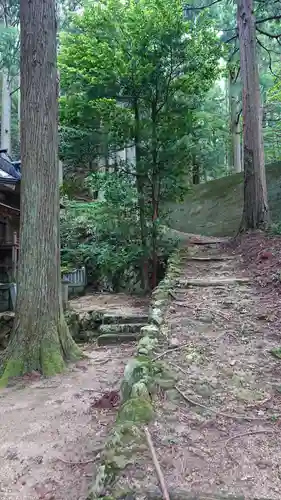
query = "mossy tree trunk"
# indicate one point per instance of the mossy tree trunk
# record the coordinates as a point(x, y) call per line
point(40, 340)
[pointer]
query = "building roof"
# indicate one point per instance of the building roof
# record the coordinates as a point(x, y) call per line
point(9, 170)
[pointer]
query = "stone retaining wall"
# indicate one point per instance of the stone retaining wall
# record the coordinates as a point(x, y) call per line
point(142, 376)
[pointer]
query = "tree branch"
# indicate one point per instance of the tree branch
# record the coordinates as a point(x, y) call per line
point(271, 18)
point(269, 55)
point(186, 7)
point(270, 35)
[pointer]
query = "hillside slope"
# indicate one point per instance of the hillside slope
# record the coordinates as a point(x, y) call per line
point(215, 208)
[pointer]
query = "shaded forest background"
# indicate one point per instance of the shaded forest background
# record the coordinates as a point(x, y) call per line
point(150, 106)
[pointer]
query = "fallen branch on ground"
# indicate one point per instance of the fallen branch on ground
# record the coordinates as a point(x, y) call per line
point(250, 433)
point(221, 414)
point(178, 367)
point(172, 349)
point(156, 464)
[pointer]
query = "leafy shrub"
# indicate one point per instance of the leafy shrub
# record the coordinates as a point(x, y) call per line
point(104, 235)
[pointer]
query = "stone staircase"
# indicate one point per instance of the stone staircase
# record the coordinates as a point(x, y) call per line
point(106, 328)
point(117, 329)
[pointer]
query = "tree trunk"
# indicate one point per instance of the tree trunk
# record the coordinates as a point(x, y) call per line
point(19, 109)
point(40, 340)
point(6, 112)
point(141, 201)
point(195, 171)
point(154, 195)
point(255, 213)
point(235, 130)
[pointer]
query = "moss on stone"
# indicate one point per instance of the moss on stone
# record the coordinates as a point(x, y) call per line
point(147, 344)
point(136, 410)
point(141, 377)
point(136, 369)
point(151, 331)
point(156, 316)
point(139, 390)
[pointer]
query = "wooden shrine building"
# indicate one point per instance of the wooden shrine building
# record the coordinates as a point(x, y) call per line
point(9, 216)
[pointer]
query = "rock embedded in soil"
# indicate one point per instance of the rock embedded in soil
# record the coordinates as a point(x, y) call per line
point(207, 318)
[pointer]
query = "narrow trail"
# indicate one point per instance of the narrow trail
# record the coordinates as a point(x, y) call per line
point(218, 431)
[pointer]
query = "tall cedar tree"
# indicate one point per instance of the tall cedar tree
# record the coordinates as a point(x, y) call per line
point(256, 213)
point(40, 340)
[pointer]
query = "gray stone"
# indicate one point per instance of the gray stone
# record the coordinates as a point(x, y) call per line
point(128, 319)
point(173, 395)
point(206, 318)
point(204, 390)
point(147, 343)
point(150, 331)
point(120, 328)
point(156, 316)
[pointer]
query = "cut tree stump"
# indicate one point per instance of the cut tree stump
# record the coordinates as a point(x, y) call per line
point(213, 282)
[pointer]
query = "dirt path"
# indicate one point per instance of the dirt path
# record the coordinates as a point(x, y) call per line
point(228, 443)
point(45, 424)
point(221, 435)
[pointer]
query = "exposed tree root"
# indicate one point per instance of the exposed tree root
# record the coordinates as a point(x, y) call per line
point(226, 415)
point(250, 433)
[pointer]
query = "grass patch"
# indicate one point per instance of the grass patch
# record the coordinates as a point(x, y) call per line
point(215, 208)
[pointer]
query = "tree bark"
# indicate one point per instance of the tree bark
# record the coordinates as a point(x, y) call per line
point(6, 112)
point(155, 191)
point(195, 171)
point(235, 129)
point(40, 339)
point(256, 212)
point(141, 200)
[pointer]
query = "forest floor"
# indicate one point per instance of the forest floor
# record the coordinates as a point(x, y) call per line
point(51, 432)
point(223, 436)
point(218, 431)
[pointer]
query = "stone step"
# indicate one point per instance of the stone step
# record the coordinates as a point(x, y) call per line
point(109, 319)
point(120, 328)
point(117, 338)
point(87, 336)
